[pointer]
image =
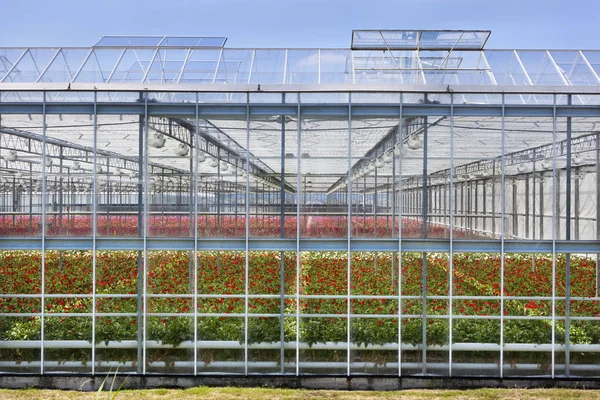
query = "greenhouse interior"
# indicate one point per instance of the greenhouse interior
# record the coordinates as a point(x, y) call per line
point(413, 205)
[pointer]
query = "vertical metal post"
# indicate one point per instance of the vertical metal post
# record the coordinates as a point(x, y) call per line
point(60, 195)
point(218, 195)
point(141, 254)
point(451, 254)
point(147, 200)
point(576, 200)
point(394, 213)
point(515, 215)
point(246, 259)
point(349, 233)
point(597, 211)
point(541, 201)
point(470, 201)
point(400, 205)
point(568, 255)
point(502, 205)
point(376, 173)
point(195, 227)
point(282, 235)
point(463, 208)
point(94, 228)
point(298, 198)
point(43, 266)
point(527, 200)
point(194, 145)
point(424, 205)
point(494, 197)
point(446, 204)
point(387, 203)
point(533, 198)
point(555, 217)
point(440, 199)
point(484, 204)
point(557, 221)
point(375, 218)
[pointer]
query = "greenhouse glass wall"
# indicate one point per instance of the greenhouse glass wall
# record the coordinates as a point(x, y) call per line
point(415, 204)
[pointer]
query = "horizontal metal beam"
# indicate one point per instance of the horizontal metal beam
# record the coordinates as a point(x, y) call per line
point(293, 88)
point(306, 244)
point(235, 111)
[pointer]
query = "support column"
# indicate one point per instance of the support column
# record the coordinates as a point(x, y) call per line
point(494, 198)
point(424, 208)
point(515, 214)
point(140, 258)
point(484, 205)
point(527, 224)
point(597, 211)
point(541, 224)
point(533, 197)
point(568, 255)
point(282, 235)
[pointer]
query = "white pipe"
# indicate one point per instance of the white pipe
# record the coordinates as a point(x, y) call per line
point(307, 366)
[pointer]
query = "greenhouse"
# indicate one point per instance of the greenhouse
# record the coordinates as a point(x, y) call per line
point(413, 205)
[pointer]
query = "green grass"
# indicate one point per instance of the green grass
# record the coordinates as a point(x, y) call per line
point(291, 394)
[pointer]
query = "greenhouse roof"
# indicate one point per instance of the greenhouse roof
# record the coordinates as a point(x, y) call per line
point(388, 59)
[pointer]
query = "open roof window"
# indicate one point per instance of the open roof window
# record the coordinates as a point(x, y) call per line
point(418, 40)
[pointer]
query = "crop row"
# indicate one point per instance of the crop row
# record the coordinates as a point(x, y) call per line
point(227, 225)
point(375, 319)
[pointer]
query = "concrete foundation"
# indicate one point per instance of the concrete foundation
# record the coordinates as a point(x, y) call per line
point(92, 383)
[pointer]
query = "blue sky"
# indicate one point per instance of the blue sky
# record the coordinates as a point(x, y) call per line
point(573, 24)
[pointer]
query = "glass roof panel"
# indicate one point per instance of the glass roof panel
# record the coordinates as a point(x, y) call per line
point(99, 65)
point(506, 68)
point(8, 58)
point(418, 39)
point(268, 66)
point(162, 41)
point(133, 66)
point(128, 41)
point(191, 42)
point(574, 68)
point(540, 68)
point(31, 65)
point(64, 66)
point(381, 40)
point(167, 66)
point(302, 66)
point(201, 66)
point(457, 40)
point(593, 58)
point(333, 66)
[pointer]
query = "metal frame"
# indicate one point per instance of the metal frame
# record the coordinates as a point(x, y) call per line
point(247, 243)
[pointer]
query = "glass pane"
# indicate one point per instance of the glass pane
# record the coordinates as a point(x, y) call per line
point(528, 314)
point(324, 171)
point(118, 206)
point(21, 273)
point(476, 281)
point(220, 329)
point(374, 308)
point(21, 176)
point(323, 326)
point(69, 150)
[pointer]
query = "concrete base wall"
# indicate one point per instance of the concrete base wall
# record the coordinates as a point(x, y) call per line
point(92, 383)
